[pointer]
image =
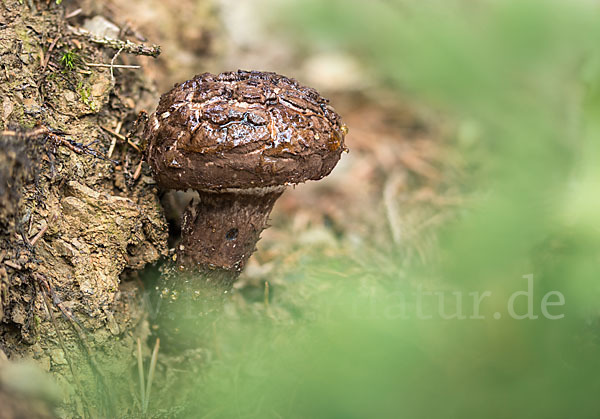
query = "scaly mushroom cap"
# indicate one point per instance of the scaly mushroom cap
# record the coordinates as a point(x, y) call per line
point(241, 130)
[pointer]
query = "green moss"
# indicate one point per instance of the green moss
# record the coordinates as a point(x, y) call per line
point(69, 60)
point(85, 92)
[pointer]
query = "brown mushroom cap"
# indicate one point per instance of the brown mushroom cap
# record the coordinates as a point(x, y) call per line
point(241, 130)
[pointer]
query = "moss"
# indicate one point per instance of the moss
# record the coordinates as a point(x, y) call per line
point(85, 93)
point(69, 60)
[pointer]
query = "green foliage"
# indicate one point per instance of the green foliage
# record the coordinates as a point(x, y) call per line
point(69, 60)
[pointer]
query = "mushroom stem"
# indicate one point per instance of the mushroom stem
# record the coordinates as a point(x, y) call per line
point(220, 230)
point(218, 234)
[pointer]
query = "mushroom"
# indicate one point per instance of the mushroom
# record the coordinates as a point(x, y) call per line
point(238, 139)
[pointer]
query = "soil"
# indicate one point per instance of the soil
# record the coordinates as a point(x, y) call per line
point(76, 219)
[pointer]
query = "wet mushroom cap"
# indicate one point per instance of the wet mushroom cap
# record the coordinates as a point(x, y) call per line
point(241, 130)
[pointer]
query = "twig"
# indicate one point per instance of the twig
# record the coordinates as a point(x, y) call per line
point(56, 138)
point(122, 138)
point(111, 149)
point(39, 235)
point(116, 134)
point(73, 13)
point(138, 170)
point(66, 312)
point(47, 58)
point(111, 66)
point(113, 142)
point(127, 46)
point(75, 146)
